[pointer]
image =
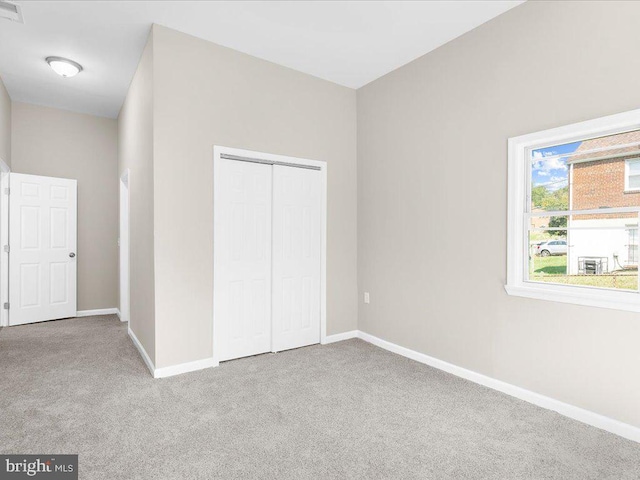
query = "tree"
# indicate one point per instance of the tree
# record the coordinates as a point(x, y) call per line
point(557, 200)
point(542, 197)
point(538, 194)
point(557, 222)
point(545, 199)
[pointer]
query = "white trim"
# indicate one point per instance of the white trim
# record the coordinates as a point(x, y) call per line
point(124, 245)
point(184, 368)
point(589, 211)
point(217, 151)
point(579, 295)
point(172, 370)
point(519, 149)
point(4, 240)
point(4, 168)
point(580, 414)
point(143, 352)
point(99, 311)
point(323, 253)
point(339, 337)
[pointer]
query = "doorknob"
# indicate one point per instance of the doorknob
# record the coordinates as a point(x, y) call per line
point(72, 254)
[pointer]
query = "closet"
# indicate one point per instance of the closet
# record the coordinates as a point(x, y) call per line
point(267, 256)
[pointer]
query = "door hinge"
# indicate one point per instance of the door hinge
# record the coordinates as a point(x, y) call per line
point(6, 305)
point(7, 191)
point(6, 248)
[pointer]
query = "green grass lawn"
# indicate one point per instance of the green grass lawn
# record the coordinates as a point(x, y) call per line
point(553, 269)
point(551, 265)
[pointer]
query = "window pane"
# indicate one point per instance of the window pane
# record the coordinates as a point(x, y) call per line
point(634, 181)
point(601, 250)
point(586, 175)
point(634, 167)
point(550, 177)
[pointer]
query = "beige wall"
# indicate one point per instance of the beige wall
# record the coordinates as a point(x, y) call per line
point(135, 152)
point(5, 124)
point(56, 143)
point(432, 196)
point(208, 95)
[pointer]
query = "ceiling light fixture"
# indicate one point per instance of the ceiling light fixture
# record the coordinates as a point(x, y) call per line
point(64, 67)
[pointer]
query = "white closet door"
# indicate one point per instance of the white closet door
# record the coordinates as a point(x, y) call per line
point(42, 240)
point(296, 257)
point(242, 273)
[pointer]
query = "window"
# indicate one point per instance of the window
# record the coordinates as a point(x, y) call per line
point(632, 245)
point(574, 204)
point(632, 175)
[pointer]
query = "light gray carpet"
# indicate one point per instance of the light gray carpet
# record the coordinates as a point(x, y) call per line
point(342, 411)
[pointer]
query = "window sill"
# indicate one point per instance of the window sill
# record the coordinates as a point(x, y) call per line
point(617, 300)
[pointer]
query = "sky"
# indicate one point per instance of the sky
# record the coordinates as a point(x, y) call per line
point(553, 172)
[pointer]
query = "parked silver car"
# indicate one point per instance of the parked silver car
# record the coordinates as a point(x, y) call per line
point(550, 247)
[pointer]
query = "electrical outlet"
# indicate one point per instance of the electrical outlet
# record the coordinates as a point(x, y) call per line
point(366, 297)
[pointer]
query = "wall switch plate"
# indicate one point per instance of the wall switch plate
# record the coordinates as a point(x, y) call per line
point(366, 297)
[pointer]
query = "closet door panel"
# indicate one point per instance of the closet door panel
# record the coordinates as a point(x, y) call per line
point(296, 257)
point(242, 245)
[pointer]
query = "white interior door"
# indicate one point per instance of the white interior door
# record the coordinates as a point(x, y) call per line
point(297, 198)
point(242, 259)
point(42, 241)
point(124, 247)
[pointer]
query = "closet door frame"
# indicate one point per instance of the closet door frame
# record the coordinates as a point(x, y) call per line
point(261, 157)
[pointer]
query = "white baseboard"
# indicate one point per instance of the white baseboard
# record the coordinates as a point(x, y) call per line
point(210, 362)
point(174, 369)
point(99, 311)
point(338, 337)
point(585, 416)
point(143, 352)
point(120, 315)
point(184, 368)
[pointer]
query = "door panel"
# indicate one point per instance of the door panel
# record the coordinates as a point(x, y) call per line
point(296, 260)
point(42, 234)
point(242, 272)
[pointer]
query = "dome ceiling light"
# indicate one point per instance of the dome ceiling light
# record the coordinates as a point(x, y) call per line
point(64, 67)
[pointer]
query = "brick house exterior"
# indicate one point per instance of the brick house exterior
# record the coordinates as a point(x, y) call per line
point(597, 179)
point(601, 183)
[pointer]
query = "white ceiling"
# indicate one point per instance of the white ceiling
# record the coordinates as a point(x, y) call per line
point(346, 42)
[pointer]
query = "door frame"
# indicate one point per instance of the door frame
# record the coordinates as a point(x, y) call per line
point(124, 245)
point(303, 162)
point(4, 240)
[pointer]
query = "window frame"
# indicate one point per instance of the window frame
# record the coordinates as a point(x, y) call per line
point(627, 175)
point(519, 188)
